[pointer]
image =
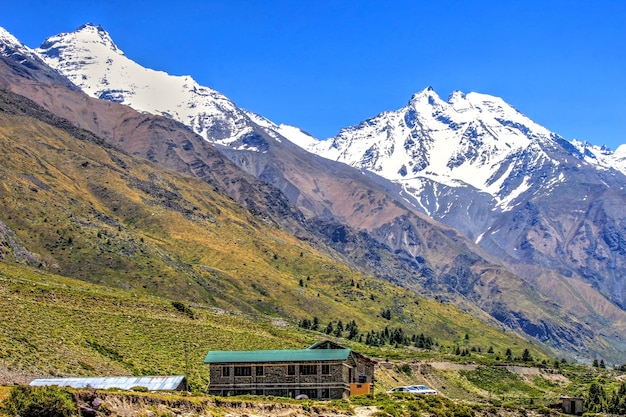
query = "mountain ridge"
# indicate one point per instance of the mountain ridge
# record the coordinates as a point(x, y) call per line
point(405, 246)
point(521, 166)
point(144, 240)
point(90, 44)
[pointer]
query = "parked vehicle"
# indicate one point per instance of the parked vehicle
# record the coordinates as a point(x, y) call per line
point(423, 389)
point(406, 389)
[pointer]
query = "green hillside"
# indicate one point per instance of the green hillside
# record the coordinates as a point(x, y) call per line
point(98, 250)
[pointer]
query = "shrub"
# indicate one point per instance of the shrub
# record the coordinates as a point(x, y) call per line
point(406, 368)
point(28, 401)
point(183, 308)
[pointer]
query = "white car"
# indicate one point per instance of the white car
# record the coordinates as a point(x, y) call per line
point(422, 389)
point(406, 389)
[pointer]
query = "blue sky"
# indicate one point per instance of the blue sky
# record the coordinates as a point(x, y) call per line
point(323, 65)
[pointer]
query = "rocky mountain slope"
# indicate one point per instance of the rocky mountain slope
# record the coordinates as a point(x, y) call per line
point(111, 264)
point(518, 190)
point(362, 216)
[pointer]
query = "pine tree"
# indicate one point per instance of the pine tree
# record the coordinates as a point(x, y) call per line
point(620, 399)
point(596, 399)
point(316, 324)
point(354, 330)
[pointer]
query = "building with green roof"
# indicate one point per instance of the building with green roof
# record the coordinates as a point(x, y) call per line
point(322, 371)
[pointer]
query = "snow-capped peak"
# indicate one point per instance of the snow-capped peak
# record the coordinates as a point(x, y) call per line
point(456, 95)
point(472, 140)
point(96, 34)
point(602, 156)
point(92, 61)
point(83, 55)
point(426, 97)
point(8, 39)
point(86, 42)
point(10, 45)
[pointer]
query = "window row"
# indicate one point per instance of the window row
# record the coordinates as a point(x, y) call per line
point(291, 370)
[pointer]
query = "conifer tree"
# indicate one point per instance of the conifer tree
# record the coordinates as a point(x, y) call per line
point(353, 329)
point(316, 323)
point(596, 399)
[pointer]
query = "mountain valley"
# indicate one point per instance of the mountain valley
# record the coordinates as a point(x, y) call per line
point(513, 225)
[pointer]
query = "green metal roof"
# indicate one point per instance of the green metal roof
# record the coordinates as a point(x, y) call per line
point(256, 356)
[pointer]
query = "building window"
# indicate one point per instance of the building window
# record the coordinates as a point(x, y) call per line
point(325, 369)
point(311, 393)
point(225, 371)
point(291, 369)
point(325, 393)
point(243, 370)
point(308, 369)
point(259, 371)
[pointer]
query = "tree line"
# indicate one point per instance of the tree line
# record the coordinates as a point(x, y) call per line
point(598, 400)
point(386, 336)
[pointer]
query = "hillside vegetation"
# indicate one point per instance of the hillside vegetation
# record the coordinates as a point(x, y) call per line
point(57, 326)
point(111, 265)
point(114, 265)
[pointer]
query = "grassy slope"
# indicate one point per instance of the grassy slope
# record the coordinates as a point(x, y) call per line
point(96, 245)
point(53, 325)
point(145, 236)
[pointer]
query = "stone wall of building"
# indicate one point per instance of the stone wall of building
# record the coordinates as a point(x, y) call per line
point(330, 379)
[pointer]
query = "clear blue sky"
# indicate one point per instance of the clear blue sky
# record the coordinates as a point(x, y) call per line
point(322, 65)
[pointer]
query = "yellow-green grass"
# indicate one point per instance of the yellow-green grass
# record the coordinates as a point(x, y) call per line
point(53, 325)
point(140, 237)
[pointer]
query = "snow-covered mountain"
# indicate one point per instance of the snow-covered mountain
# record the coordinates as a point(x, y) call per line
point(9, 45)
point(92, 61)
point(548, 210)
point(473, 162)
point(471, 141)
point(470, 136)
point(523, 193)
point(602, 156)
